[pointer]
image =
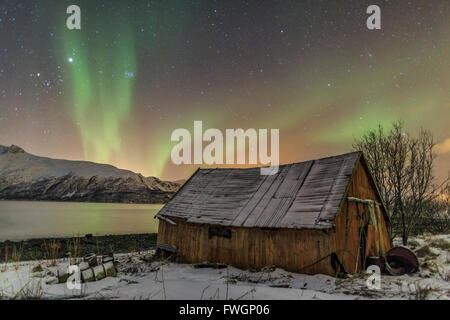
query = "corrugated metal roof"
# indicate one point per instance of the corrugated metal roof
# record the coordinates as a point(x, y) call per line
point(301, 195)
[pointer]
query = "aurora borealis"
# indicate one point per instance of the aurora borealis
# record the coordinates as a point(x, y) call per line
point(114, 91)
point(101, 100)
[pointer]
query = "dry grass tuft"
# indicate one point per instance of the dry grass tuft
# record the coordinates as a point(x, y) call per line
point(16, 255)
point(51, 251)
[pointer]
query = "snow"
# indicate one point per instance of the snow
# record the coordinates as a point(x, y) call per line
point(139, 279)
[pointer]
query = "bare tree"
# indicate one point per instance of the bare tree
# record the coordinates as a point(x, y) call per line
point(402, 167)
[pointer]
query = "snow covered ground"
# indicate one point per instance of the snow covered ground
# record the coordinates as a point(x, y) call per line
point(139, 279)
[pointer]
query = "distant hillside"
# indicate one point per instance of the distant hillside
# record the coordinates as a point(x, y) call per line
point(24, 176)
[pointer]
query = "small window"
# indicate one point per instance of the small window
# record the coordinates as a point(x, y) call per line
point(219, 232)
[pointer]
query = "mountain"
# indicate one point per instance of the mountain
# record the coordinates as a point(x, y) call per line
point(24, 176)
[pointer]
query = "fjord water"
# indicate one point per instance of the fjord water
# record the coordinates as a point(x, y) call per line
point(21, 220)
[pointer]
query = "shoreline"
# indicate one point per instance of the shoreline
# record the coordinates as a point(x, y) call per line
point(51, 248)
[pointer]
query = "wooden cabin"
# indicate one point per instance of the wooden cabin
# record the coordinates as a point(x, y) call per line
point(320, 216)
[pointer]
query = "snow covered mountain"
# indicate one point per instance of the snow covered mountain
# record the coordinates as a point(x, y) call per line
point(24, 176)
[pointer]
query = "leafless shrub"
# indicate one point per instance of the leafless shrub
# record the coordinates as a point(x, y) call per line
point(422, 291)
point(32, 290)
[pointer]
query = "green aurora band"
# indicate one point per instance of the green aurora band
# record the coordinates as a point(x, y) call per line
point(102, 72)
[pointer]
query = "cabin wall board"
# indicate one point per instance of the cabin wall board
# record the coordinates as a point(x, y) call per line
point(251, 248)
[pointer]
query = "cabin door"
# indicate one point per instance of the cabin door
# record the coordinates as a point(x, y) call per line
point(364, 239)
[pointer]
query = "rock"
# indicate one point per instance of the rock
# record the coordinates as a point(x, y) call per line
point(51, 280)
point(11, 149)
point(37, 268)
point(15, 149)
point(24, 176)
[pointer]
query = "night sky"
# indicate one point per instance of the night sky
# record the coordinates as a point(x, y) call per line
point(114, 91)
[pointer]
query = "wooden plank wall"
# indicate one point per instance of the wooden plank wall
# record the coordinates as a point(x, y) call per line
point(360, 187)
point(250, 248)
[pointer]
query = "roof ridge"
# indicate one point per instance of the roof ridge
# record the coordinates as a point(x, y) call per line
point(281, 165)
